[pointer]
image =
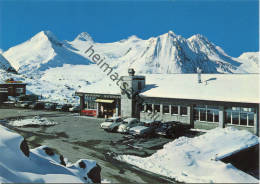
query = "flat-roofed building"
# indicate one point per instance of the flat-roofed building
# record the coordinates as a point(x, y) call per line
point(218, 100)
point(11, 88)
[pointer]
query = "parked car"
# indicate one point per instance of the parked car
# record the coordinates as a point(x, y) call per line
point(127, 124)
point(74, 109)
point(63, 107)
point(25, 104)
point(18, 104)
point(59, 107)
point(111, 124)
point(171, 129)
point(50, 106)
point(89, 112)
point(146, 129)
point(37, 105)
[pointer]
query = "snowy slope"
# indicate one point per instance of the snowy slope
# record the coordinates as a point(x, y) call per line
point(4, 64)
point(196, 160)
point(41, 52)
point(250, 61)
point(167, 53)
point(17, 165)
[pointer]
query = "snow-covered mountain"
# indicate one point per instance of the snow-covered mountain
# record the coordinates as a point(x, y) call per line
point(167, 53)
point(41, 52)
point(4, 64)
point(250, 61)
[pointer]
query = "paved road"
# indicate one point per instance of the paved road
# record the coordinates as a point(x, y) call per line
point(78, 137)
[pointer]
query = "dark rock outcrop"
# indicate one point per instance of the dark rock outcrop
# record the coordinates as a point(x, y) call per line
point(25, 148)
point(94, 174)
point(48, 151)
point(82, 165)
point(62, 162)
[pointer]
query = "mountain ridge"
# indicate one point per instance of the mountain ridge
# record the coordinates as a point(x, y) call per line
point(166, 53)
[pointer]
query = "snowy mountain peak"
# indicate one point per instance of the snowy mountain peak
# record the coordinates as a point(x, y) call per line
point(252, 56)
point(134, 38)
point(199, 37)
point(46, 36)
point(84, 36)
point(171, 33)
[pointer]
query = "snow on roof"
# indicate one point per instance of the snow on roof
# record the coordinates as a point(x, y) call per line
point(105, 86)
point(215, 87)
point(196, 160)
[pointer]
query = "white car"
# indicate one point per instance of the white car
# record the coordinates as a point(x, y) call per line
point(127, 124)
point(75, 109)
point(147, 128)
point(111, 124)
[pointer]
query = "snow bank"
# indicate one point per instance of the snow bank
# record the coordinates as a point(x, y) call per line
point(196, 159)
point(40, 165)
point(32, 122)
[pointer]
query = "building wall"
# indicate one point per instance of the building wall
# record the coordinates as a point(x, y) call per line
point(129, 106)
point(11, 90)
point(166, 116)
point(212, 107)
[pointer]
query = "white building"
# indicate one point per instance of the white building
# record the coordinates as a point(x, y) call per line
point(219, 100)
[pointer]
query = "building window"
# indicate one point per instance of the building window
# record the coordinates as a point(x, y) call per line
point(228, 117)
point(183, 110)
point(92, 105)
point(174, 109)
point(156, 108)
point(235, 118)
point(251, 119)
point(240, 116)
point(90, 102)
point(3, 90)
point(149, 108)
point(19, 90)
point(166, 109)
point(196, 114)
point(243, 119)
point(210, 115)
point(142, 108)
point(203, 115)
point(139, 85)
point(206, 113)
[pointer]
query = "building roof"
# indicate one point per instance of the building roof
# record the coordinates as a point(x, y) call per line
point(214, 87)
point(105, 86)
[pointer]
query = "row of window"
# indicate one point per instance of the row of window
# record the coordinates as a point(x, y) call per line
point(5, 90)
point(19, 90)
point(234, 116)
point(166, 109)
point(206, 113)
point(239, 118)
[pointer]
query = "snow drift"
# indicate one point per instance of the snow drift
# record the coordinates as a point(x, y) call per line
point(36, 121)
point(197, 159)
point(18, 164)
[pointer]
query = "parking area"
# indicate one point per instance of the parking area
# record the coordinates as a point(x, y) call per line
point(78, 137)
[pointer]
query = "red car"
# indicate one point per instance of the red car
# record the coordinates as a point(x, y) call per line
point(89, 112)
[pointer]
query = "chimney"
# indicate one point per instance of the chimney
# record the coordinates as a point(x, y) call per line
point(199, 74)
point(131, 72)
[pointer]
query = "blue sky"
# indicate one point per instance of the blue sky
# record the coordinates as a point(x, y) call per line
point(231, 24)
